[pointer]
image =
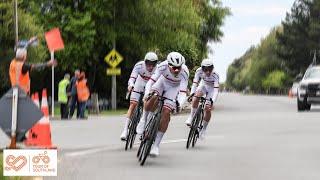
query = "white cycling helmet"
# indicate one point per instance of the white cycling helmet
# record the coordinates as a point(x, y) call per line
point(175, 59)
point(184, 60)
point(207, 63)
point(151, 56)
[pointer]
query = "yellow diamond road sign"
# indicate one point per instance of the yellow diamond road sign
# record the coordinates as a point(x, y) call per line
point(113, 58)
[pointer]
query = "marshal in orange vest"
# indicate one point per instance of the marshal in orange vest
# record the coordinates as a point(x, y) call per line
point(82, 90)
point(17, 78)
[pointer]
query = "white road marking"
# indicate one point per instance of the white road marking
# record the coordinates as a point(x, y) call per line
point(97, 150)
point(87, 152)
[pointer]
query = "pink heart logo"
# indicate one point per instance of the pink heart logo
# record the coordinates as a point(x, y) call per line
point(15, 163)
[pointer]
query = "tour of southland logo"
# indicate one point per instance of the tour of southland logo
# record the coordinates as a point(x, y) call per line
point(30, 162)
point(40, 163)
point(41, 157)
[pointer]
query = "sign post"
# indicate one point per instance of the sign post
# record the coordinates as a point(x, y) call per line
point(14, 116)
point(18, 114)
point(55, 43)
point(113, 59)
point(114, 92)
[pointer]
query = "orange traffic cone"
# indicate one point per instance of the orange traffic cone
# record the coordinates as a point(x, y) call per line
point(30, 134)
point(36, 100)
point(41, 132)
point(32, 97)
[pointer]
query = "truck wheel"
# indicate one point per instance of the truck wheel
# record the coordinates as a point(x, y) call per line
point(307, 106)
point(300, 104)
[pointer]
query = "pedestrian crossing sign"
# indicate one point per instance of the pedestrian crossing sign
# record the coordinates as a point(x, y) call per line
point(113, 58)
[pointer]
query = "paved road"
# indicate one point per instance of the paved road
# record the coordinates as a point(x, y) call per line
point(252, 138)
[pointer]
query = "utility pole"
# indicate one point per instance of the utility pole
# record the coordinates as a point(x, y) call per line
point(16, 21)
point(114, 77)
point(314, 60)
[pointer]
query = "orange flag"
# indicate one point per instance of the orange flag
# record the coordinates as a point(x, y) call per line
point(54, 40)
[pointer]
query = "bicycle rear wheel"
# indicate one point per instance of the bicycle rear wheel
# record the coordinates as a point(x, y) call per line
point(195, 138)
point(132, 129)
point(133, 137)
point(129, 136)
point(133, 133)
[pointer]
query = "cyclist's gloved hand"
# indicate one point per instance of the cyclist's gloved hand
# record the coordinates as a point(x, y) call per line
point(130, 88)
point(211, 101)
point(128, 95)
point(190, 97)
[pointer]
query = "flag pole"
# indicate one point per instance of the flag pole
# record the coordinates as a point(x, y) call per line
point(52, 91)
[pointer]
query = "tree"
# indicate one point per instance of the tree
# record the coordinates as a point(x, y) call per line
point(91, 29)
point(256, 65)
point(275, 80)
point(27, 28)
point(301, 35)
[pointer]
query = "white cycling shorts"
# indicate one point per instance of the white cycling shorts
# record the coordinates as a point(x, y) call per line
point(169, 90)
point(207, 92)
point(139, 86)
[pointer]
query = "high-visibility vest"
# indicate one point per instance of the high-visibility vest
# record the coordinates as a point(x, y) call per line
point(16, 76)
point(62, 92)
point(82, 90)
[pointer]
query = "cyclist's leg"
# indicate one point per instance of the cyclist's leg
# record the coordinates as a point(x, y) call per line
point(133, 105)
point(209, 106)
point(168, 107)
point(207, 111)
point(149, 105)
point(124, 133)
point(134, 98)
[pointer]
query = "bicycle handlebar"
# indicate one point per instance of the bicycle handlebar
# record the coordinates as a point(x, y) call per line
point(162, 98)
point(203, 99)
point(130, 92)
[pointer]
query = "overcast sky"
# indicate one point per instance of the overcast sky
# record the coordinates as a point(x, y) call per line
point(250, 21)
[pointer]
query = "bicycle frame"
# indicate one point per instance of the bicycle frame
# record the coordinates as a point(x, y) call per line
point(158, 111)
point(150, 132)
point(134, 121)
point(196, 125)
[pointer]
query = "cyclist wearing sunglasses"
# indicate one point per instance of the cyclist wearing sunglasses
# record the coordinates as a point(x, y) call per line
point(170, 80)
point(140, 75)
point(205, 83)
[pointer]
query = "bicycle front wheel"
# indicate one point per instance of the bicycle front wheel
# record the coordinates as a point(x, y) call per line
point(193, 129)
point(149, 142)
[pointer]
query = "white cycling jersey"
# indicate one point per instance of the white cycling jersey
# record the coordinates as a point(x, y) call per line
point(164, 81)
point(208, 85)
point(138, 80)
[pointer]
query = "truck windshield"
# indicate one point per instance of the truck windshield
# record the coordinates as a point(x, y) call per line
point(312, 73)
